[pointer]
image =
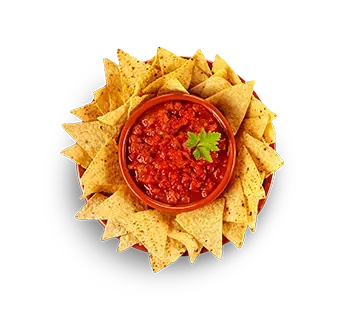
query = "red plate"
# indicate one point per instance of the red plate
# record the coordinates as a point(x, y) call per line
point(266, 184)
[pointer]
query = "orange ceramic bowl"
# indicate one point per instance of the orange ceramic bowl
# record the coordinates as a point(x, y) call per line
point(123, 150)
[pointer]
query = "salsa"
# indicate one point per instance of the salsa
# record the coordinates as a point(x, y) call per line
point(161, 163)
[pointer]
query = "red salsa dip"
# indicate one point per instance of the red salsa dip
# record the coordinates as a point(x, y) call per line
point(160, 162)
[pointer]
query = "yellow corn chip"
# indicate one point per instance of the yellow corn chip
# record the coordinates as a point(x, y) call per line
point(168, 61)
point(77, 154)
point(269, 134)
point(113, 229)
point(205, 224)
point(135, 102)
point(103, 174)
point(219, 63)
point(91, 136)
point(88, 210)
point(201, 71)
point(101, 97)
point(234, 232)
point(236, 207)
point(255, 126)
point(172, 85)
point(132, 70)
point(174, 249)
point(149, 227)
point(90, 112)
point(113, 83)
point(212, 85)
point(126, 241)
point(182, 74)
point(265, 158)
point(233, 102)
point(257, 108)
point(192, 246)
point(117, 116)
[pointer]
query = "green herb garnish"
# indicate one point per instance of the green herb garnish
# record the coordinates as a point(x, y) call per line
point(204, 143)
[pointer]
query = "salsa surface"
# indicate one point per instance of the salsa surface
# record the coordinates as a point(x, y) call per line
point(160, 162)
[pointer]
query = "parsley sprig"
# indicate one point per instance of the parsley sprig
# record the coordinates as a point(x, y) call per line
point(203, 144)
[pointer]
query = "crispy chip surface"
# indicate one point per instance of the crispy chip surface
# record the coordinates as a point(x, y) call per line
point(89, 112)
point(234, 232)
point(205, 224)
point(220, 63)
point(172, 85)
point(78, 155)
point(168, 61)
point(88, 210)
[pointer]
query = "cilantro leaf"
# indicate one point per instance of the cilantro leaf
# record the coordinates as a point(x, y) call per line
point(204, 143)
point(193, 140)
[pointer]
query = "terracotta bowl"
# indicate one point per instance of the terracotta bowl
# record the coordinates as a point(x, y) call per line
point(231, 151)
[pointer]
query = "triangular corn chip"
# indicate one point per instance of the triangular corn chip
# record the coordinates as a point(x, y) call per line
point(233, 102)
point(234, 232)
point(212, 85)
point(192, 246)
point(126, 241)
point(113, 229)
point(236, 207)
point(172, 85)
point(135, 102)
point(205, 224)
point(219, 63)
point(116, 117)
point(257, 108)
point(149, 227)
point(174, 249)
point(201, 71)
point(103, 174)
point(269, 134)
point(91, 136)
point(101, 97)
point(113, 83)
point(88, 210)
point(182, 74)
point(77, 154)
point(168, 61)
point(255, 126)
point(265, 157)
point(132, 70)
point(89, 112)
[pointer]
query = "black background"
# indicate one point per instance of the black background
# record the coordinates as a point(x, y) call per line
point(295, 255)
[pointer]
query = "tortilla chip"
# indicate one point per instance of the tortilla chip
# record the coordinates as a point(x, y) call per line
point(212, 85)
point(201, 71)
point(132, 70)
point(77, 154)
point(126, 241)
point(113, 229)
point(149, 227)
point(269, 133)
point(251, 184)
point(233, 102)
point(205, 224)
point(101, 97)
point(255, 126)
point(113, 83)
point(234, 232)
point(221, 63)
point(90, 112)
point(151, 61)
point(265, 157)
point(116, 117)
point(236, 207)
point(172, 85)
point(168, 61)
point(192, 246)
point(257, 108)
point(103, 174)
point(182, 74)
point(88, 210)
point(91, 136)
point(174, 249)
point(135, 102)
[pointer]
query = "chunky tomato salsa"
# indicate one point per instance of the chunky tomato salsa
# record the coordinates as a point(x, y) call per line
point(161, 163)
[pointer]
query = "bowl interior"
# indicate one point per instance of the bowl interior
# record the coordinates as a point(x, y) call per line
point(123, 153)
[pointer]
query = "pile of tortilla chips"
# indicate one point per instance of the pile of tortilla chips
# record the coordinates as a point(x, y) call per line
point(166, 236)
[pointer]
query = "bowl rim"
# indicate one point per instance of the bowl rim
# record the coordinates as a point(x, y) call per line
point(122, 149)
